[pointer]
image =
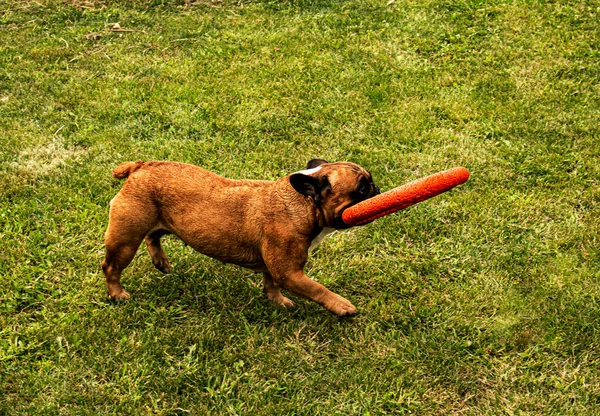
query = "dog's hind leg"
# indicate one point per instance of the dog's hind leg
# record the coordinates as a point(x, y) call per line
point(159, 258)
point(118, 257)
point(128, 225)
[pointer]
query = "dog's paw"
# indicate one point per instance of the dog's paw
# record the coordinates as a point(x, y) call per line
point(120, 296)
point(281, 300)
point(285, 302)
point(340, 306)
point(163, 265)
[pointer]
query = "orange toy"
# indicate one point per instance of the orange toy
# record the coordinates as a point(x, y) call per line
point(404, 196)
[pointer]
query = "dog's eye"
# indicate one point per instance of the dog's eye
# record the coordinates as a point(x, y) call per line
point(363, 189)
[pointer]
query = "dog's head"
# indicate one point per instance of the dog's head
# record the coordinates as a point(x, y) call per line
point(334, 187)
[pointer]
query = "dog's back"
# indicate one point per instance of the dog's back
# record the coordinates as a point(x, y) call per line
point(196, 205)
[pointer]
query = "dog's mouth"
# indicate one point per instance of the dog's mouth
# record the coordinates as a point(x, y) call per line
point(338, 223)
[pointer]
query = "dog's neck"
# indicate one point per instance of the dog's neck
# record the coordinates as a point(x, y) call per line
point(319, 214)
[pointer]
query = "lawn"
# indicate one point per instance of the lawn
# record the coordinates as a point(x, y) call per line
point(481, 301)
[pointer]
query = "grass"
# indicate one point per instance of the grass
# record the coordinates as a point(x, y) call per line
point(482, 301)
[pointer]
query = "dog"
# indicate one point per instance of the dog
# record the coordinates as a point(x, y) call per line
point(265, 226)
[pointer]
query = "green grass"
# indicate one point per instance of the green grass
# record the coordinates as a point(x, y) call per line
point(484, 300)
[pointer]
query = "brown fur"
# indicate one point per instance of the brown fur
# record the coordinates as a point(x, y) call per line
point(266, 226)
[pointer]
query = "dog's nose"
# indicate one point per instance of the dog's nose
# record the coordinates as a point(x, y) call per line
point(377, 190)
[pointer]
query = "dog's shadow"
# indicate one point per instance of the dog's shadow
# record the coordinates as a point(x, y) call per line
point(203, 287)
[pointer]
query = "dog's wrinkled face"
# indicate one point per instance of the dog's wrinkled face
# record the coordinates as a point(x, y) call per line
point(334, 187)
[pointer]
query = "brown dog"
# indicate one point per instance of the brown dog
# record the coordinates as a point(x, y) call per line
point(266, 226)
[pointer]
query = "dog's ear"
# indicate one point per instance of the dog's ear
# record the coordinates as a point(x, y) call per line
point(313, 187)
point(313, 163)
point(305, 184)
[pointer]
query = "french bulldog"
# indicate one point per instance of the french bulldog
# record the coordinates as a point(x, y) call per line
point(265, 226)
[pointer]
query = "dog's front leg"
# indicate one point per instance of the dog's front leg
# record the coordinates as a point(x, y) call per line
point(299, 283)
point(273, 291)
point(285, 259)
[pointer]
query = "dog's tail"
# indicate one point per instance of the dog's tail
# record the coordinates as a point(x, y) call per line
point(126, 168)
